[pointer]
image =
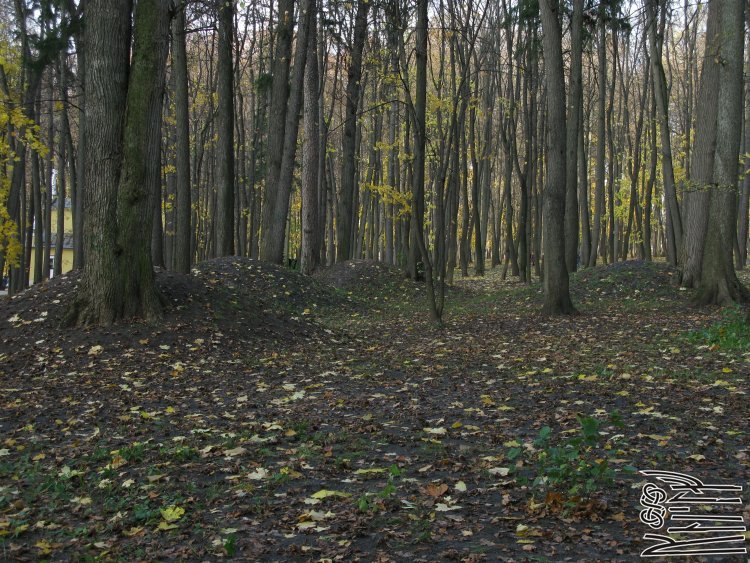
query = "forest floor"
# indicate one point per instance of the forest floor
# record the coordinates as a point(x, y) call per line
point(276, 417)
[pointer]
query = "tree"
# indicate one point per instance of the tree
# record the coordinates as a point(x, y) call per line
point(183, 235)
point(272, 248)
point(279, 92)
point(597, 233)
point(123, 127)
point(310, 253)
point(573, 124)
point(674, 217)
point(225, 118)
point(718, 281)
point(348, 150)
point(556, 291)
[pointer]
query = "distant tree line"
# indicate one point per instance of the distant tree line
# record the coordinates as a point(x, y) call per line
point(538, 136)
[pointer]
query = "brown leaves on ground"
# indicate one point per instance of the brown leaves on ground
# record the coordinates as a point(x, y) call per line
point(274, 417)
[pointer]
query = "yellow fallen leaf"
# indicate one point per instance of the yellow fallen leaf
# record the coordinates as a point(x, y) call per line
point(369, 471)
point(44, 547)
point(172, 513)
point(325, 493)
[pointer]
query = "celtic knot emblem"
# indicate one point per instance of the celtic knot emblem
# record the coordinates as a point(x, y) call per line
point(652, 497)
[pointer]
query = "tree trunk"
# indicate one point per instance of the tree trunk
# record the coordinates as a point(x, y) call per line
point(674, 219)
point(348, 151)
point(556, 291)
point(183, 234)
point(123, 125)
point(310, 157)
point(107, 42)
point(272, 247)
point(225, 126)
point(574, 118)
point(277, 118)
point(719, 284)
point(696, 194)
point(601, 144)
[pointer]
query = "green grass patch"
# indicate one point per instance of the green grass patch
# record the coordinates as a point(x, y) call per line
point(731, 332)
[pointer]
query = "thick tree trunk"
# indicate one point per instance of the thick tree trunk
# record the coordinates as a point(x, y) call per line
point(556, 291)
point(108, 47)
point(696, 194)
point(123, 126)
point(719, 284)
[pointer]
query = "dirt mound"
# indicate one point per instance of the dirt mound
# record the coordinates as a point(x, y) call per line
point(625, 279)
point(237, 298)
point(365, 276)
point(269, 285)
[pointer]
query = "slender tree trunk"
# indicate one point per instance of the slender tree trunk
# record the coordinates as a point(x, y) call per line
point(277, 120)
point(674, 218)
point(183, 233)
point(225, 126)
point(272, 247)
point(583, 179)
point(61, 189)
point(37, 222)
point(601, 144)
point(348, 153)
point(574, 118)
point(310, 156)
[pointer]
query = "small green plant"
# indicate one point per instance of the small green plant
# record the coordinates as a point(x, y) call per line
point(230, 545)
point(134, 452)
point(576, 466)
point(182, 453)
point(732, 332)
point(375, 501)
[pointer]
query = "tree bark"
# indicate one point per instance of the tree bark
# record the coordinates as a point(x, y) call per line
point(556, 291)
point(348, 153)
point(310, 253)
point(225, 130)
point(123, 125)
point(601, 144)
point(719, 284)
point(183, 233)
point(574, 119)
point(272, 247)
point(696, 195)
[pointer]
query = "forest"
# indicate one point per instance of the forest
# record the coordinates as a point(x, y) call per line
point(374, 280)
